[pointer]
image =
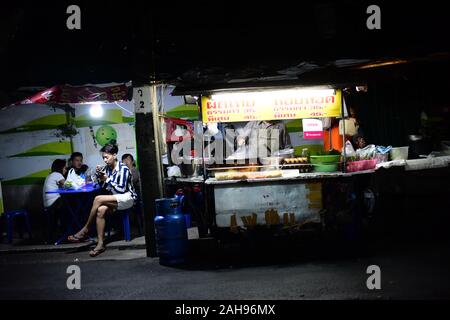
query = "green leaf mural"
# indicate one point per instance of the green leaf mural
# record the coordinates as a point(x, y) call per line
point(48, 149)
point(128, 119)
point(43, 123)
point(110, 116)
point(34, 178)
point(185, 111)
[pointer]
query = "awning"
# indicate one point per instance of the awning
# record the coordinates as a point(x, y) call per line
point(63, 94)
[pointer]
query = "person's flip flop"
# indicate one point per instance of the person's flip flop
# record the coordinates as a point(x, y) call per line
point(95, 252)
point(75, 239)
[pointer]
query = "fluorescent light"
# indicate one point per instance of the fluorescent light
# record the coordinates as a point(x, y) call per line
point(284, 94)
point(96, 110)
point(382, 64)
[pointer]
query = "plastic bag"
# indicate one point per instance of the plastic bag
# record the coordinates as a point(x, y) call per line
point(351, 128)
point(212, 129)
point(173, 171)
point(383, 150)
point(326, 123)
point(349, 150)
point(367, 152)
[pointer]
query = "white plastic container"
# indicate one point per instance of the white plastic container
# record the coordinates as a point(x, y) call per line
point(400, 153)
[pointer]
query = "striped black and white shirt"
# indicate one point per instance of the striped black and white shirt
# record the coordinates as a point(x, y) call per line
point(119, 180)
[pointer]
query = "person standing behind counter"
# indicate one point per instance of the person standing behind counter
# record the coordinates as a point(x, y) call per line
point(270, 136)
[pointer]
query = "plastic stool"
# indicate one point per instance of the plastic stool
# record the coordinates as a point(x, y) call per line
point(10, 215)
point(125, 222)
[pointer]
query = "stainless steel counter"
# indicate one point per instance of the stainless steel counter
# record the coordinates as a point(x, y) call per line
point(302, 176)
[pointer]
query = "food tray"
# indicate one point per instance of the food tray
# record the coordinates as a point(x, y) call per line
point(303, 168)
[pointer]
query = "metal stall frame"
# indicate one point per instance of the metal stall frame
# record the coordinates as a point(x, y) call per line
point(209, 193)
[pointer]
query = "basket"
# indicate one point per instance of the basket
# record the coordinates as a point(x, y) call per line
point(361, 165)
point(382, 157)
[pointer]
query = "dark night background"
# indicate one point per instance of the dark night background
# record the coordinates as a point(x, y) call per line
point(201, 44)
point(197, 45)
point(203, 40)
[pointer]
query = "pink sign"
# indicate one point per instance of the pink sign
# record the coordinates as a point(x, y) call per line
point(312, 129)
point(312, 135)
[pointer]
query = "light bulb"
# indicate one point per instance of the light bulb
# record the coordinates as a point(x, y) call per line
point(96, 111)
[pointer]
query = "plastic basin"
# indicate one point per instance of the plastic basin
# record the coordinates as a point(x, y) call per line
point(400, 153)
point(325, 159)
point(326, 167)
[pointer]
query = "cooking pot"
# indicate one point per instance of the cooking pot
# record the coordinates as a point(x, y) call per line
point(418, 146)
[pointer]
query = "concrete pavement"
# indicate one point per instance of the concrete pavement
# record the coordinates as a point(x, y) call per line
point(408, 271)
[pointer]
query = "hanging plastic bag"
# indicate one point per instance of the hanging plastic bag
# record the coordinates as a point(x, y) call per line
point(326, 123)
point(351, 128)
point(349, 150)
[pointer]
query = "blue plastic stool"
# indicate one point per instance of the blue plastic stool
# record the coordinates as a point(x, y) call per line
point(126, 224)
point(10, 215)
point(125, 215)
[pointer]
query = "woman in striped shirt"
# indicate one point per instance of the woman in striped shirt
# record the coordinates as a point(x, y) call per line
point(116, 179)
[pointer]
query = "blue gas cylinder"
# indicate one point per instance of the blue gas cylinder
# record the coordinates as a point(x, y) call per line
point(179, 195)
point(171, 235)
point(166, 205)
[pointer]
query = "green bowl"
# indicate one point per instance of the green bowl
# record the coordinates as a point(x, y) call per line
point(325, 159)
point(326, 167)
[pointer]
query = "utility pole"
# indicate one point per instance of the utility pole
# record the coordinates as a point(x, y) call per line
point(147, 122)
point(149, 168)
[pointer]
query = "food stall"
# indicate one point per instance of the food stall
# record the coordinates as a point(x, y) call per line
point(281, 191)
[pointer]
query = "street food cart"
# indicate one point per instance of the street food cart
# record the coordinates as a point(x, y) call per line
point(240, 194)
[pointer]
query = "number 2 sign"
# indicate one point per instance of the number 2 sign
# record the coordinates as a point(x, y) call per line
point(142, 99)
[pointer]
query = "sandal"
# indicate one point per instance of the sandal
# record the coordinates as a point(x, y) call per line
point(73, 238)
point(95, 252)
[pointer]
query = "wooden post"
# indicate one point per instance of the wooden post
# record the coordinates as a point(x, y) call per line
point(149, 158)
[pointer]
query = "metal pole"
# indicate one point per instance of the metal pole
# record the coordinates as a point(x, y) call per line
point(157, 135)
point(202, 137)
point(329, 136)
point(344, 163)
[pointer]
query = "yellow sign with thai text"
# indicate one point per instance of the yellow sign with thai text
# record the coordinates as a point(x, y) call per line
point(272, 105)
